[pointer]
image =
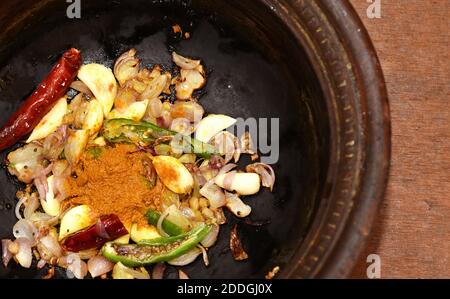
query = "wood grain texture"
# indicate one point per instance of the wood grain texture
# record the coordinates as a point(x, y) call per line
point(412, 233)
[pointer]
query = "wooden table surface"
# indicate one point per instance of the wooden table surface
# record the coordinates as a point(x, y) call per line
point(412, 232)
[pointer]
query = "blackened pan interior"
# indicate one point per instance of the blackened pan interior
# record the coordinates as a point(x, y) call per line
point(255, 70)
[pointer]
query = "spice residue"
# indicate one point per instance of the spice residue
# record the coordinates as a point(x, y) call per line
point(114, 182)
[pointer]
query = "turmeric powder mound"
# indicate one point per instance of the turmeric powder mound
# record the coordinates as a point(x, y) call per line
point(113, 181)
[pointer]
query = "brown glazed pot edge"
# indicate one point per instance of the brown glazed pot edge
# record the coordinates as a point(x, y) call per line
point(352, 80)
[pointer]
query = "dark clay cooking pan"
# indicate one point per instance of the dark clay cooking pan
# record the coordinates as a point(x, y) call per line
point(308, 63)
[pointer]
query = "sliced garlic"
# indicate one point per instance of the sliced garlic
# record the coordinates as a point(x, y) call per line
point(76, 219)
point(143, 232)
point(212, 124)
point(101, 82)
point(93, 120)
point(243, 183)
point(51, 121)
point(173, 174)
point(134, 111)
point(75, 145)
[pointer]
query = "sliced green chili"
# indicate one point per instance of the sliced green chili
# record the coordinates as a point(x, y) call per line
point(155, 250)
point(168, 226)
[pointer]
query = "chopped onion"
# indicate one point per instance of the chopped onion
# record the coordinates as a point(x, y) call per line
point(204, 254)
point(158, 271)
point(25, 229)
point(99, 265)
point(155, 107)
point(6, 254)
point(76, 266)
point(265, 172)
point(214, 194)
point(49, 247)
point(186, 258)
point(183, 62)
point(182, 275)
point(182, 126)
point(24, 256)
point(211, 238)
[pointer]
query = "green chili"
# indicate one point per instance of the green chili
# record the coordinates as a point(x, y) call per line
point(155, 250)
point(120, 130)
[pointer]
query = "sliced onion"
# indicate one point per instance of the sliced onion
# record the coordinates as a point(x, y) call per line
point(81, 87)
point(227, 168)
point(183, 62)
point(158, 271)
point(211, 238)
point(265, 172)
point(25, 229)
point(247, 146)
point(225, 142)
point(6, 254)
point(190, 110)
point(182, 275)
point(19, 204)
point(31, 205)
point(126, 66)
point(53, 144)
point(186, 258)
point(99, 265)
point(160, 221)
point(41, 186)
point(214, 194)
point(24, 256)
point(204, 255)
point(42, 219)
